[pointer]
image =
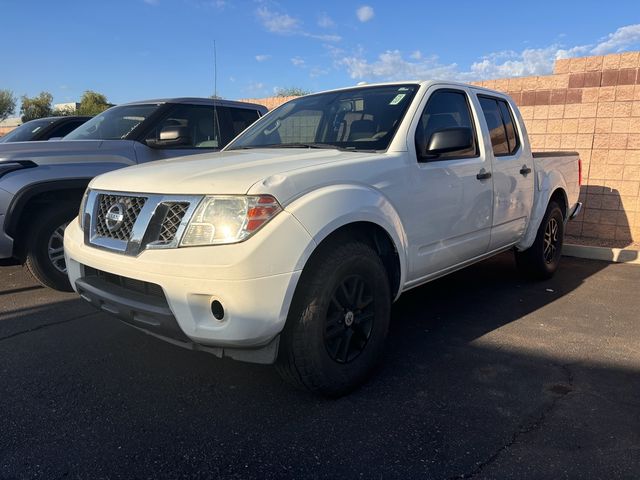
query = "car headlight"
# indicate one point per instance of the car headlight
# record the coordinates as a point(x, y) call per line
point(83, 205)
point(222, 219)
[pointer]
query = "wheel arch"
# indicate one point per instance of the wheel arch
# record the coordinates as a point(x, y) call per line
point(335, 213)
point(28, 200)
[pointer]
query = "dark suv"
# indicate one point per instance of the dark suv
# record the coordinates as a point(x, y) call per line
point(44, 129)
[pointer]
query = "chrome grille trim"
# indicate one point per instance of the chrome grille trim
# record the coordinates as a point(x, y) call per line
point(151, 221)
point(133, 207)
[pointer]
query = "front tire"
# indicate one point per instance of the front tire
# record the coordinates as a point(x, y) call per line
point(45, 251)
point(338, 320)
point(541, 260)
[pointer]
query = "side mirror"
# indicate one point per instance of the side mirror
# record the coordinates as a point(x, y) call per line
point(447, 140)
point(171, 137)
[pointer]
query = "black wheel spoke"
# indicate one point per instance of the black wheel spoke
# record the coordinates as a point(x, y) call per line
point(343, 353)
point(349, 319)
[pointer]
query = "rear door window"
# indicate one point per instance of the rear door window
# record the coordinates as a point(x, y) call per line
point(504, 138)
point(241, 118)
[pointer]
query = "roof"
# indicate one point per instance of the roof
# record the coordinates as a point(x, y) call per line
point(201, 101)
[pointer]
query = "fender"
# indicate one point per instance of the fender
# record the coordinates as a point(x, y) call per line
point(546, 185)
point(326, 209)
point(21, 199)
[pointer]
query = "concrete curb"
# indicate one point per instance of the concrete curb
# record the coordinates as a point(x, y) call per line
point(618, 255)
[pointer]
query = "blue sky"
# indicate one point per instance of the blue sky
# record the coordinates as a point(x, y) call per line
point(137, 49)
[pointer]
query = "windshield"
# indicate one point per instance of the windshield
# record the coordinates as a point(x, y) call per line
point(113, 124)
point(27, 131)
point(364, 118)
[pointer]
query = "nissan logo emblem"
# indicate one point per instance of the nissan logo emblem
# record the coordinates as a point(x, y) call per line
point(115, 216)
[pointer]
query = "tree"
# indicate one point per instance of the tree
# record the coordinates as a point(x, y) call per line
point(92, 103)
point(291, 92)
point(36, 107)
point(7, 104)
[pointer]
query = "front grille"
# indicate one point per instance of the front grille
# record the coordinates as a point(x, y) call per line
point(145, 288)
point(131, 207)
point(171, 222)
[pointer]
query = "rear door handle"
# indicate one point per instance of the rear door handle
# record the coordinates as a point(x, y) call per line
point(483, 175)
point(525, 170)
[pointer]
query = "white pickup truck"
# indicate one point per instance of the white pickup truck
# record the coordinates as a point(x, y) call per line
point(290, 245)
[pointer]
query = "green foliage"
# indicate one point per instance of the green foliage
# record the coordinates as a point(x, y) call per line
point(36, 107)
point(92, 103)
point(7, 104)
point(292, 92)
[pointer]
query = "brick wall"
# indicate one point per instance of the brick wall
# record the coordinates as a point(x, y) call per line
point(592, 105)
point(269, 102)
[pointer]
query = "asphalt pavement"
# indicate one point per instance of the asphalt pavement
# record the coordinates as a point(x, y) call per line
point(485, 376)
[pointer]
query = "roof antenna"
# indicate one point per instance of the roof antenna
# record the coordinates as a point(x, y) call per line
point(216, 124)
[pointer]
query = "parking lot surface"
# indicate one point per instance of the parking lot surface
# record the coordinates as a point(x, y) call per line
point(485, 376)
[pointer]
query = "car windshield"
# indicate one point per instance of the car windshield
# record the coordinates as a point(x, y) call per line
point(363, 118)
point(113, 124)
point(27, 131)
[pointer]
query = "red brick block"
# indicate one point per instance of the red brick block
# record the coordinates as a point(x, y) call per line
point(627, 76)
point(610, 78)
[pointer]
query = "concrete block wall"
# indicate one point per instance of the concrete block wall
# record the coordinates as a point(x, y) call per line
point(592, 105)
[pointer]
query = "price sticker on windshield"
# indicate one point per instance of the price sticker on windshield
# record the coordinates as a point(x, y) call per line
point(397, 99)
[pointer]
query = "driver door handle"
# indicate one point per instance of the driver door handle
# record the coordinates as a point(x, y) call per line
point(483, 175)
point(525, 170)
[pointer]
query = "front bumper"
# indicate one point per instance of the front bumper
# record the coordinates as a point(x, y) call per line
point(254, 281)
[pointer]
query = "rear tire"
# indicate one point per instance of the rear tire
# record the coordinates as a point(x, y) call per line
point(338, 320)
point(45, 251)
point(541, 260)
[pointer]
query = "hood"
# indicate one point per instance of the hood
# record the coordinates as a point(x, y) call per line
point(231, 172)
point(60, 151)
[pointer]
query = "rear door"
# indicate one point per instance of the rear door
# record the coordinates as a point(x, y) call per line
point(513, 174)
point(451, 195)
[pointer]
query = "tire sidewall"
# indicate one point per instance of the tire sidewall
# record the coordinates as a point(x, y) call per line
point(41, 231)
point(339, 378)
point(556, 213)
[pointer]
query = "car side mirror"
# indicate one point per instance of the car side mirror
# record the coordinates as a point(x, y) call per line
point(172, 136)
point(447, 140)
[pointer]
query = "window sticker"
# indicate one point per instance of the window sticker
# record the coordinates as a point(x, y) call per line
point(397, 99)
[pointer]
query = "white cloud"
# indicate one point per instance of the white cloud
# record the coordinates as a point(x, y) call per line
point(262, 58)
point(277, 22)
point(283, 24)
point(622, 38)
point(325, 21)
point(297, 61)
point(365, 13)
point(394, 65)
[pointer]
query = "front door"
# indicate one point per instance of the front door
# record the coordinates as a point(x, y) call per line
point(451, 193)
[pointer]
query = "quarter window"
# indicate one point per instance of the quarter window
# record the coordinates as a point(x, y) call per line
point(504, 138)
point(446, 109)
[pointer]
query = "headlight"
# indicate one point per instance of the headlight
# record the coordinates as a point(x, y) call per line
point(83, 204)
point(229, 219)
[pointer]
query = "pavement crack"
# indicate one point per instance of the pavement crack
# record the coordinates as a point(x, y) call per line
point(522, 429)
point(45, 325)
